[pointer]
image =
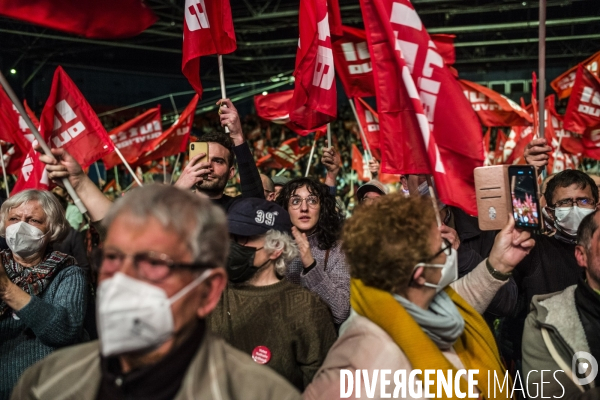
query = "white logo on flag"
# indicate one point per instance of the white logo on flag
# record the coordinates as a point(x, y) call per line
point(323, 76)
point(67, 115)
point(195, 15)
point(355, 52)
point(589, 95)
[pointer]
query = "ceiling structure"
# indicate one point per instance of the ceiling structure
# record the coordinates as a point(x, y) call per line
point(490, 35)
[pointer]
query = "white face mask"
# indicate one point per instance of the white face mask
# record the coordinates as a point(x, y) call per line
point(569, 218)
point(135, 315)
point(449, 271)
point(23, 239)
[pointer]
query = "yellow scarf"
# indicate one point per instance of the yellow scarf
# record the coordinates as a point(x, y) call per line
point(476, 347)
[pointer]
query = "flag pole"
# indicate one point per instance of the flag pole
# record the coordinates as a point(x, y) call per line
point(98, 174)
point(15, 100)
point(310, 157)
point(281, 172)
point(4, 171)
point(174, 168)
point(542, 67)
point(222, 79)
point(329, 142)
point(164, 160)
point(116, 171)
point(137, 180)
point(434, 200)
point(362, 133)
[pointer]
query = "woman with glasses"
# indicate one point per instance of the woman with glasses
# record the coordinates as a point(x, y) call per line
point(43, 294)
point(408, 316)
point(321, 266)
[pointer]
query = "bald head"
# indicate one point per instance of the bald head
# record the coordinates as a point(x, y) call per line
point(268, 187)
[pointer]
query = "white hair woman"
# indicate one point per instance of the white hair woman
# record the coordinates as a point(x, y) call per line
point(42, 292)
point(279, 323)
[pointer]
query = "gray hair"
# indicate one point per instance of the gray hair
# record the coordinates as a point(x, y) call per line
point(58, 227)
point(277, 240)
point(198, 222)
point(586, 230)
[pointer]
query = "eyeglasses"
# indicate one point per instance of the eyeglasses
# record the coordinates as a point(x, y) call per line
point(150, 265)
point(446, 248)
point(583, 202)
point(311, 201)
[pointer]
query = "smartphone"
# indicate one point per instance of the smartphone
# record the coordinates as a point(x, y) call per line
point(524, 196)
point(493, 197)
point(197, 148)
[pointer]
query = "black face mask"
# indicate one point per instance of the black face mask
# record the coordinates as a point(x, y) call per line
point(240, 264)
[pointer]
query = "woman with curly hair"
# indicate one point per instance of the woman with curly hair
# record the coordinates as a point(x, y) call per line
point(321, 266)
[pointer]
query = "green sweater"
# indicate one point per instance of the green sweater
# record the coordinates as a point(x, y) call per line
point(292, 322)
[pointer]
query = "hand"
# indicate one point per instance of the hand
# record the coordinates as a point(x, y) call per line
point(193, 173)
point(62, 166)
point(536, 153)
point(230, 118)
point(510, 247)
point(303, 246)
point(450, 235)
point(374, 167)
point(332, 160)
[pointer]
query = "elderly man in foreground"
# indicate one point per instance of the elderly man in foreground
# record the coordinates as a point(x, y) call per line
point(161, 275)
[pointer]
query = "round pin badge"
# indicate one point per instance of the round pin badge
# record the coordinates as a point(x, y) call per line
point(261, 354)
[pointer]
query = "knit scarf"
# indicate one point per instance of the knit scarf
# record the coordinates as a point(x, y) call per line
point(33, 280)
point(476, 347)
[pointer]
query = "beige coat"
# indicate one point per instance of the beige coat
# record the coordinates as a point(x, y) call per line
point(217, 372)
point(364, 345)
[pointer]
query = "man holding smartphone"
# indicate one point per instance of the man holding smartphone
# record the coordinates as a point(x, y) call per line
point(209, 177)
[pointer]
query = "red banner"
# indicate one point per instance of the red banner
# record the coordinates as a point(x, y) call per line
point(335, 18)
point(591, 143)
point(353, 63)
point(289, 153)
point(131, 137)
point(429, 110)
point(492, 108)
point(275, 107)
point(358, 165)
point(174, 140)
point(106, 19)
point(445, 46)
point(314, 103)
point(499, 151)
point(207, 29)
point(369, 120)
point(564, 83)
point(583, 110)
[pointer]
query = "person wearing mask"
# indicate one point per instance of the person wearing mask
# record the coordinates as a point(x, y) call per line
point(43, 293)
point(162, 273)
point(564, 323)
point(321, 266)
point(551, 266)
point(281, 325)
point(407, 313)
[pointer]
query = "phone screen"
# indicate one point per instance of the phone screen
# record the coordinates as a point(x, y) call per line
point(523, 191)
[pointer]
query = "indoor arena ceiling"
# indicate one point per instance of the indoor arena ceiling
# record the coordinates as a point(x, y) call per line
point(490, 34)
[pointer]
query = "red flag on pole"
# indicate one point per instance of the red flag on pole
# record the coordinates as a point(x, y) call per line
point(106, 19)
point(359, 166)
point(131, 137)
point(353, 63)
point(591, 143)
point(369, 120)
point(436, 115)
point(289, 153)
point(67, 121)
point(207, 29)
point(335, 18)
point(445, 46)
point(564, 83)
point(275, 107)
point(174, 140)
point(492, 108)
point(13, 128)
point(314, 103)
point(583, 110)
point(499, 151)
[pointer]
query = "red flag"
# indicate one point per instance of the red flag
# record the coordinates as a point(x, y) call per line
point(207, 29)
point(523, 135)
point(445, 46)
point(499, 151)
point(369, 120)
point(172, 141)
point(591, 143)
point(335, 18)
point(13, 128)
point(358, 165)
point(314, 103)
point(289, 153)
point(106, 19)
point(131, 137)
point(583, 110)
point(487, 155)
point(67, 121)
point(275, 107)
point(492, 108)
point(268, 161)
point(353, 63)
point(564, 83)
point(436, 115)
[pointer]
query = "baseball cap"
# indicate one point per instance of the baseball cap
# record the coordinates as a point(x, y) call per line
point(280, 180)
point(254, 216)
point(372, 186)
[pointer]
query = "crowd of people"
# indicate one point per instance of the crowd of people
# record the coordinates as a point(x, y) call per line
point(271, 291)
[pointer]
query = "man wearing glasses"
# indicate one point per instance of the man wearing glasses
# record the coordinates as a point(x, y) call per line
point(162, 272)
point(551, 266)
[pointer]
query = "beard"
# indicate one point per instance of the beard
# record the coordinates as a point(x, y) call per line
point(214, 187)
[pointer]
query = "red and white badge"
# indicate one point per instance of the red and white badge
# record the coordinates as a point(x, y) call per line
point(261, 354)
